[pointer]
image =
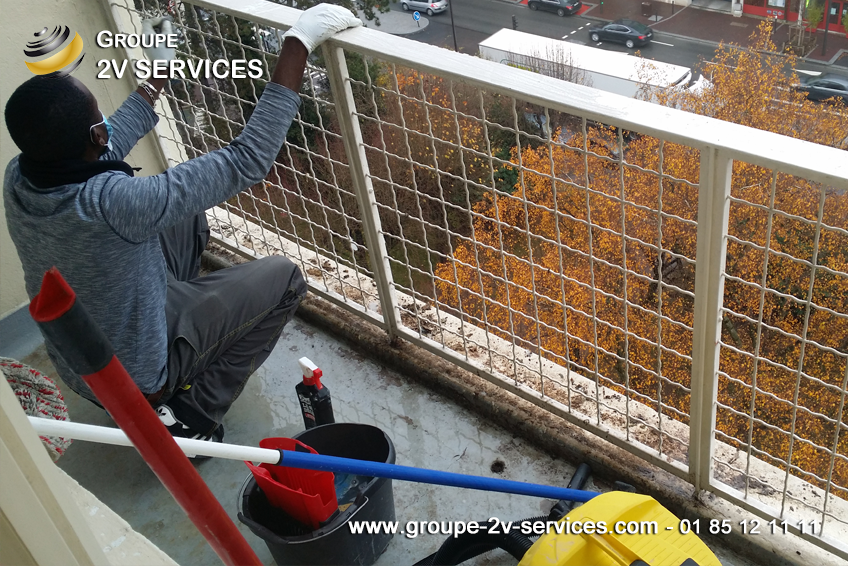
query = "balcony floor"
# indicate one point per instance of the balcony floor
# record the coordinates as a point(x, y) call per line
point(428, 430)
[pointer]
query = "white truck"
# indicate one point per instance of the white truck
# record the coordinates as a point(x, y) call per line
point(614, 72)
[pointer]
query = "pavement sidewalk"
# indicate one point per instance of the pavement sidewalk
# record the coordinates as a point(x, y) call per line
point(396, 23)
point(708, 25)
point(712, 26)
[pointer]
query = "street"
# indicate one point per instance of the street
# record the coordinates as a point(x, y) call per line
point(476, 20)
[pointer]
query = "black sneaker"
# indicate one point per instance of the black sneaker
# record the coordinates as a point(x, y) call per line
point(179, 430)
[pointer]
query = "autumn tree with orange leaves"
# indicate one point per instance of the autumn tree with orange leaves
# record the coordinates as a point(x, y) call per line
point(554, 252)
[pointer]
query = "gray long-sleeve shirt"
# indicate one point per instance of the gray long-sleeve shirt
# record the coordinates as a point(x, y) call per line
point(103, 234)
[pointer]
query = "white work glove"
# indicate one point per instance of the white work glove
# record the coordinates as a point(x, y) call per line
point(147, 29)
point(319, 23)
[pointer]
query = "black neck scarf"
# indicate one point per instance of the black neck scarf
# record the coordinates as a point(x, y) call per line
point(50, 174)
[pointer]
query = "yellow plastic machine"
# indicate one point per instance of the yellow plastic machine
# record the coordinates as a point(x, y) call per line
point(658, 537)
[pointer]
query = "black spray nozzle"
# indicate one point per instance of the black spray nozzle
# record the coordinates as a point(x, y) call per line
point(578, 480)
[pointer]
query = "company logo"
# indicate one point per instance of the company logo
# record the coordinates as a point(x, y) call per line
point(63, 56)
point(170, 68)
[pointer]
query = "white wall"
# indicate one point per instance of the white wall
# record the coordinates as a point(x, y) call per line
point(22, 18)
point(40, 522)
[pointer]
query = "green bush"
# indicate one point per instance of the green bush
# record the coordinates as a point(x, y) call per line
point(814, 15)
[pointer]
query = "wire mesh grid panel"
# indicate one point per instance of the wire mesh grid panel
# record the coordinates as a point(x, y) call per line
point(783, 370)
point(540, 246)
point(304, 208)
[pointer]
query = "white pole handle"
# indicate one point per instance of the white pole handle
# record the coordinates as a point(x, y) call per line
point(106, 435)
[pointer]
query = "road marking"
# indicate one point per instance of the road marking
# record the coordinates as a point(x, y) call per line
point(572, 33)
point(661, 43)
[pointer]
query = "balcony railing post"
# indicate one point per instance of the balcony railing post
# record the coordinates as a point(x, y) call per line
point(362, 186)
point(711, 253)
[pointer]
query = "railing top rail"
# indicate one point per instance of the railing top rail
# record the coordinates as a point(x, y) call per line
point(812, 161)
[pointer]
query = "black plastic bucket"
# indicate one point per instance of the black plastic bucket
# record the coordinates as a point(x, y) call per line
point(290, 542)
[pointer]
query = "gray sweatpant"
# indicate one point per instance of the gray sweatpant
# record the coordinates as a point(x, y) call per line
point(220, 327)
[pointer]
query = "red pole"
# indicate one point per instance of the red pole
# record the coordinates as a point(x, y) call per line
point(87, 351)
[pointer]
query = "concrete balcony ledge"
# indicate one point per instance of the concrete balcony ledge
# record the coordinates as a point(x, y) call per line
point(122, 545)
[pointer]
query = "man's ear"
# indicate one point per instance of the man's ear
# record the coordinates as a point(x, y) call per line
point(99, 137)
point(96, 145)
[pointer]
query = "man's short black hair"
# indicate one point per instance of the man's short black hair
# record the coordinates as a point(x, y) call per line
point(49, 118)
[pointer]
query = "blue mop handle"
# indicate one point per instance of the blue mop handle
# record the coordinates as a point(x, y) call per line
point(324, 463)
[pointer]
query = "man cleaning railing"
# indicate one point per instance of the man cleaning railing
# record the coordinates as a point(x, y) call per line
point(130, 246)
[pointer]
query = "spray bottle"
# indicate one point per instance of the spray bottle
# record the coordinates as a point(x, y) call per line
point(314, 398)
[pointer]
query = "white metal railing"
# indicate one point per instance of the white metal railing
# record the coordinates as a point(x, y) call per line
point(416, 192)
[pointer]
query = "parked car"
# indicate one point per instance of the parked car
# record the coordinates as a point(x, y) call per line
point(824, 87)
point(435, 7)
point(628, 32)
point(561, 7)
